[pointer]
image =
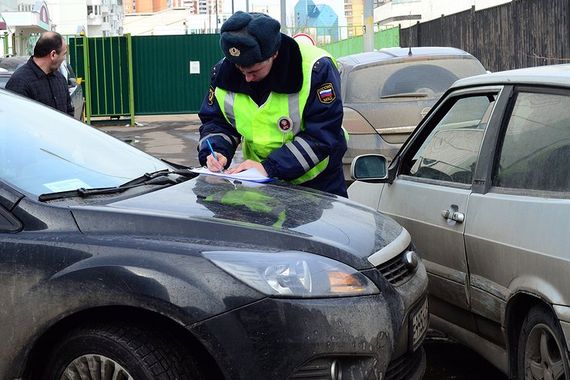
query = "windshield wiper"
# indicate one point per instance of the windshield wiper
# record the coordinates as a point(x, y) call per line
point(160, 177)
point(150, 178)
point(81, 193)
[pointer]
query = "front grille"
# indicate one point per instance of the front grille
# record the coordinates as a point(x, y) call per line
point(395, 270)
point(319, 369)
point(405, 366)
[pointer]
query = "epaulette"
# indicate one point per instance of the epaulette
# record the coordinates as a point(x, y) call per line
point(215, 70)
point(317, 66)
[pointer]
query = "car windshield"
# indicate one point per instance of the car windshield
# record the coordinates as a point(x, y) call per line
point(44, 151)
point(427, 78)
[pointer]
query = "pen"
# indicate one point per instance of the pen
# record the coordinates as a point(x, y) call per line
point(212, 149)
point(213, 153)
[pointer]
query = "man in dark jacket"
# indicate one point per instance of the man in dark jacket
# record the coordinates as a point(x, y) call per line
point(280, 100)
point(39, 78)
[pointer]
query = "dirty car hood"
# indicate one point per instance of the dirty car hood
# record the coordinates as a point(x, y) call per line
point(264, 216)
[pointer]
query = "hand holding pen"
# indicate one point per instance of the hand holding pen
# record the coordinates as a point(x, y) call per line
point(215, 161)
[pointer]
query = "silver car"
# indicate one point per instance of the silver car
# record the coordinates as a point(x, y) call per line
point(483, 187)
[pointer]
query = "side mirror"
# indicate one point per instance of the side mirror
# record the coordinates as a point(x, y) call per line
point(369, 167)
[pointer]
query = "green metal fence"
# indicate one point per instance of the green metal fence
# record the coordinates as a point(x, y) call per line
point(144, 75)
point(105, 64)
point(172, 73)
point(382, 38)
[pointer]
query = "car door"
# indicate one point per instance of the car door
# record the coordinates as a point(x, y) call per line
point(430, 195)
point(517, 235)
point(75, 89)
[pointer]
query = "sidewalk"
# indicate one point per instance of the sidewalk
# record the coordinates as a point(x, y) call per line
point(172, 137)
point(146, 121)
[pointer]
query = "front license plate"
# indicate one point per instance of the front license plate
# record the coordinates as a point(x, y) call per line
point(419, 322)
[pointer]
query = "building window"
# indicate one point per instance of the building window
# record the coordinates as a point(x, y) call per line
point(94, 10)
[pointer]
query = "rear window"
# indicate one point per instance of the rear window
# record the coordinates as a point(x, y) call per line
point(412, 79)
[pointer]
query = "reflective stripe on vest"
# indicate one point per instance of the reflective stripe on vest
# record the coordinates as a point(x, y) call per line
point(259, 125)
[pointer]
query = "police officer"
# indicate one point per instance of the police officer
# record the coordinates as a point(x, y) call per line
point(280, 99)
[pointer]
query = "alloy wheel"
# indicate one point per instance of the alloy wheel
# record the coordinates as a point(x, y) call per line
point(543, 355)
point(95, 367)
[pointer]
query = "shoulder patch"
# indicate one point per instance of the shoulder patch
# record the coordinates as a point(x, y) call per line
point(326, 93)
point(211, 95)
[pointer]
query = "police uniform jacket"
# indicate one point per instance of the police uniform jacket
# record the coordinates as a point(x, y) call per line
point(322, 135)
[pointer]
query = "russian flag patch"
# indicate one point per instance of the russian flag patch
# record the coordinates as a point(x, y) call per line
point(326, 93)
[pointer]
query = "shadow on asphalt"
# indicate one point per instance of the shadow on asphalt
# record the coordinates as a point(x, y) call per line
point(447, 360)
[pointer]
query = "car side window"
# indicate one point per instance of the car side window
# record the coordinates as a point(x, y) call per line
point(451, 150)
point(535, 153)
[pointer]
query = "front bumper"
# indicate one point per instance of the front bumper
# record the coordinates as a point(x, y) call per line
point(354, 337)
point(278, 338)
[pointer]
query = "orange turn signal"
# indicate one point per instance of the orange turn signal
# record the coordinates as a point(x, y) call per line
point(341, 282)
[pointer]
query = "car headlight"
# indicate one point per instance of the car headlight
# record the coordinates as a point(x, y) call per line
point(293, 274)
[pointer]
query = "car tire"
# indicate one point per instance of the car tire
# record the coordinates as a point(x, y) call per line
point(130, 352)
point(542, 352)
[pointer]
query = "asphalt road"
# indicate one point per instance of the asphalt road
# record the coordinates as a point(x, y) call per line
point(175, 138)
point(447, 360)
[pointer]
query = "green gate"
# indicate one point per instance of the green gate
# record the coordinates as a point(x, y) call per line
point(144, 75)
point(172, 73)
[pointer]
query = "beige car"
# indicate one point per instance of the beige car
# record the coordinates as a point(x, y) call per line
point(483, 187)
point(387, 92)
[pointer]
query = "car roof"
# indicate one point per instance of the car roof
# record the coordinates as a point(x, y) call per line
point(390, 55)
point(558, 75)
point(12, 63)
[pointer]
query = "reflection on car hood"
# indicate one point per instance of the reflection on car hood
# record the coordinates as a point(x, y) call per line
point(266, 216)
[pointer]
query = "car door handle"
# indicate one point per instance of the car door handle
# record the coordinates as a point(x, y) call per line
point(457, 216)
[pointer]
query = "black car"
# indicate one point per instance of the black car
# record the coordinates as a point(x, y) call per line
point(113, 261)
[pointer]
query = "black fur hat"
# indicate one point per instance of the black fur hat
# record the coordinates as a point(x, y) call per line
point(250, 38)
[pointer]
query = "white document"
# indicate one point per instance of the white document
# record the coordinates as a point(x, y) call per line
point(194, 67)
point(252, 174)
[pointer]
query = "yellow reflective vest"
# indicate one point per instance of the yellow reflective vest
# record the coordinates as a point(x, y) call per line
point(277, 121)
